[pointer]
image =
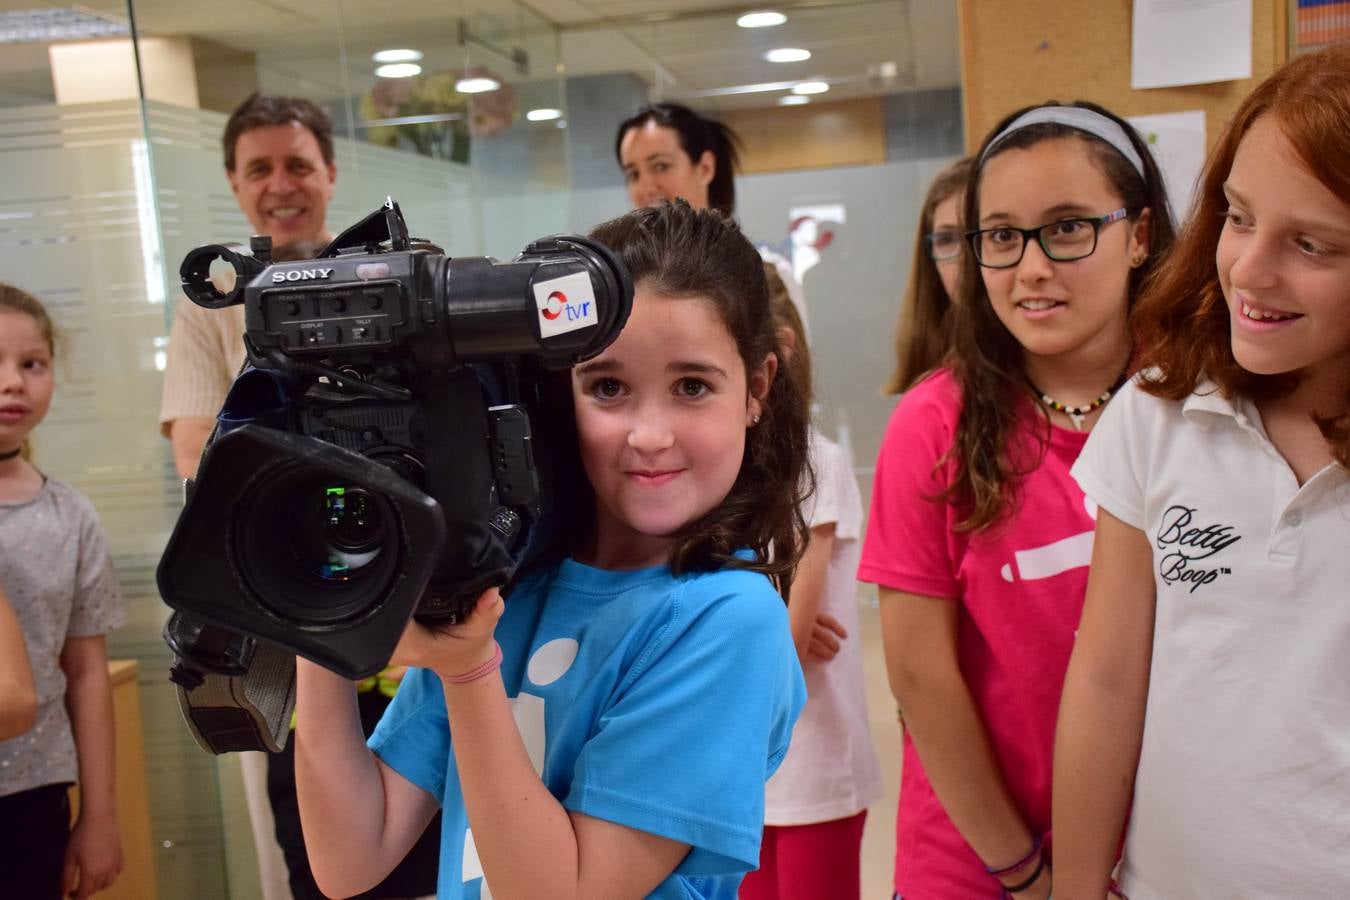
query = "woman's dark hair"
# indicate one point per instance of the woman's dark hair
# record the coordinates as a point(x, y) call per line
point(697, 136)
point(674, 250)
point(923, 329)
point(1182, 319)
point(987, 360)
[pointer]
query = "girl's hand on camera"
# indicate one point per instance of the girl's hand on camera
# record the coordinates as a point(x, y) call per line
point(450, 650)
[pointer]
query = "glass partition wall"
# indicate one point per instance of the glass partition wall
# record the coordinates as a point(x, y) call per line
point(111, 116)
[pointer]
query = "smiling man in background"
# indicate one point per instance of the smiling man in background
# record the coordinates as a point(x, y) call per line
point(279, 162)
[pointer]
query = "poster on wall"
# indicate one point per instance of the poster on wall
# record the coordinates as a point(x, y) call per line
point(1177, 141)
point(1317, 23)
point(1176, 42)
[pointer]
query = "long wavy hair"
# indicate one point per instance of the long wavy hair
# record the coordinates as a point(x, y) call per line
point(697, 136)
point(987, 360)
point(923, 328)
point(1182, 320)
point(16, 300)
point(674, 250)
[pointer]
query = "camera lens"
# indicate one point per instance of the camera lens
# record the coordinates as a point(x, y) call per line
point(316, 548)
point(337, 532)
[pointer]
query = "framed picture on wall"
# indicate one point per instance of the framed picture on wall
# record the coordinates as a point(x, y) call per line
point(1316, 23)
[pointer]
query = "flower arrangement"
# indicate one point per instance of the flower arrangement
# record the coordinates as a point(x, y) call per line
point(452, 120)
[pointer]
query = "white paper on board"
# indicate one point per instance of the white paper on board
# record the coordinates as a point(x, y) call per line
point(1177, 141)
point(1176, 42)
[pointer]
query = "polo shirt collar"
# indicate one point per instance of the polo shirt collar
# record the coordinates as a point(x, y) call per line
point(1207, 401)
point(1207, 405)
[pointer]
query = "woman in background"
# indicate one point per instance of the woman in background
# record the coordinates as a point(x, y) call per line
point(667, 150)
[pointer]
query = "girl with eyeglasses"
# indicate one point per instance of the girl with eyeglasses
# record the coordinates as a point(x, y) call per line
point(1209, 692)
point(923, 330)
point(979, 539)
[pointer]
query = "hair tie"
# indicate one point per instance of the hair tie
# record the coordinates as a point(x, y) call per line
point(1079, 118)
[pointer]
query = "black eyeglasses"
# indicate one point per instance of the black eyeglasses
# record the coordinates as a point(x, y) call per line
point(942, 246)
point(1063, 241)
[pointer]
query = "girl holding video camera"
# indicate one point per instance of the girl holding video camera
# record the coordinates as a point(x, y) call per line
point(608, 732)
point(56, 572)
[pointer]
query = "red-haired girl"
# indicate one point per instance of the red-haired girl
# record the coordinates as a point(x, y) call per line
point(1209, 680)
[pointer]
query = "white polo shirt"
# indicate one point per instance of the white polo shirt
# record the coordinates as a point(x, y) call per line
point(1243, 787)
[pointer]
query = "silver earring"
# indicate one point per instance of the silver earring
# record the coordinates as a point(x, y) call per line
point(754, 420)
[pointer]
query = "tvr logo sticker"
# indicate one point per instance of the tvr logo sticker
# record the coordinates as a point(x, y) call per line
point(565, 304)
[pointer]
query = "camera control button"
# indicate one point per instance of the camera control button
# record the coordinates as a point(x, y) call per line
point(292, 308)
point(337, 304)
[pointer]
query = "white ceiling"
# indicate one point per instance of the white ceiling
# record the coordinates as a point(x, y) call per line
point(693, 50)
point(683, 49)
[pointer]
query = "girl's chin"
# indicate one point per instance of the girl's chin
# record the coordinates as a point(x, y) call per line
point(1259, 361)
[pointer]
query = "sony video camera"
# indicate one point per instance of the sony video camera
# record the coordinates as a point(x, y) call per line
point(397, 443)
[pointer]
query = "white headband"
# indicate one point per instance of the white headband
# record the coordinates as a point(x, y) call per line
point(1080, 119)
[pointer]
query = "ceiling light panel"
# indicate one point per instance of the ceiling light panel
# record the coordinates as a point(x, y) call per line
point(762, 19)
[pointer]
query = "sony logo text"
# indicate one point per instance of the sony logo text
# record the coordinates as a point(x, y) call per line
point(301, 275)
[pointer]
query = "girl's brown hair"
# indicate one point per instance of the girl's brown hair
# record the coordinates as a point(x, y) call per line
point(15, 300)
point(987, 360)
point(676, 251)
point(797, 364)
point(1182, 320)
point(923, 328)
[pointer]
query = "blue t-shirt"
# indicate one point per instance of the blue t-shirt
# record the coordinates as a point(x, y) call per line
point(656, 702)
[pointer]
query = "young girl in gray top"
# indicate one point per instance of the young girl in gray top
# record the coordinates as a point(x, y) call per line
point(55, 570)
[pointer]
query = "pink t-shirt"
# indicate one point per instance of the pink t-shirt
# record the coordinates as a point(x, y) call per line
point(1019, 585)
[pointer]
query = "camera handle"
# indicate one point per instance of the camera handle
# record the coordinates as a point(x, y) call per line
point(235, 693)
point(458, 430)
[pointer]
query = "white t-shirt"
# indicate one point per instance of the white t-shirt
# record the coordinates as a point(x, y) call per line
point(830, 770)
point(1243, 788)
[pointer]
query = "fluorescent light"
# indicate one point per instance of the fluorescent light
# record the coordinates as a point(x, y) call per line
point(793, 100)
point(398, 70)
point(477, 85)
point(788, 54)
point(764, 19)
point(397, 56)
point(27, 26)
point(811, 87)
point(543, 115)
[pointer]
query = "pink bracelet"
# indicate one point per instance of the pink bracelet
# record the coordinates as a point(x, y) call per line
point(1022, 863)
point(479, 670)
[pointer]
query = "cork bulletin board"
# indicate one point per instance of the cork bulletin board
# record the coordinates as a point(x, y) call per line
point(1018, 52)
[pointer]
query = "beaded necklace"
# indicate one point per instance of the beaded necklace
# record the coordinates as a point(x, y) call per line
point(1077, 414)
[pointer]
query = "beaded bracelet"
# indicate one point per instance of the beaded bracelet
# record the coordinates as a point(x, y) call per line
point(1020, 864)
point(1023, 885)
point(480, 670)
